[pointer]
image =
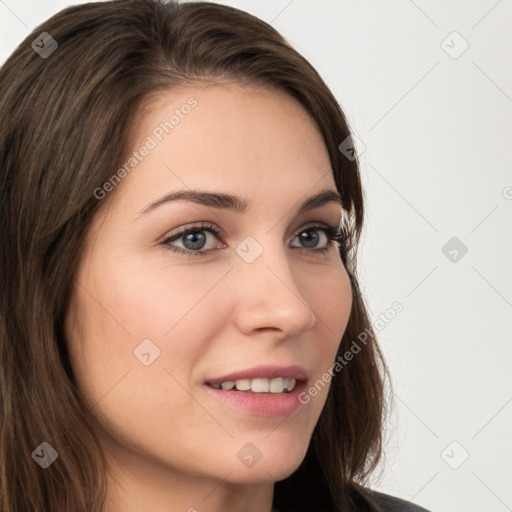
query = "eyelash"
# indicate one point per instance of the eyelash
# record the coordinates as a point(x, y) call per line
point(332, 234)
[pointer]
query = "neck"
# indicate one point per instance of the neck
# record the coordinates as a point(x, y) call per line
point(132, 488)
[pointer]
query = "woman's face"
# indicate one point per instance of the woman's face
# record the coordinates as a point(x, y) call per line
point(150, 327)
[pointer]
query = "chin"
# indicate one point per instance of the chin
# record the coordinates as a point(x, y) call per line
point(268, 473)
point(276, 462)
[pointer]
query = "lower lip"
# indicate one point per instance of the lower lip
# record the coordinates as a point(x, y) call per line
point(261, 404)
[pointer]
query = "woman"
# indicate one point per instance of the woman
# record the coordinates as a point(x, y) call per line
point(181, 323)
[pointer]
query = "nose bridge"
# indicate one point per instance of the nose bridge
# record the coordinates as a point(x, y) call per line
point(271, 298)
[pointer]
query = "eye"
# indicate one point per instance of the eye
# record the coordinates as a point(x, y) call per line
point(311, 241)
point(194, 239)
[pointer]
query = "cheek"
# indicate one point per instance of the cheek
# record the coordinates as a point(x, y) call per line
point(330, 297)
point(331, 300)
point(153, 300)
point(115, 314)
point(124, 302)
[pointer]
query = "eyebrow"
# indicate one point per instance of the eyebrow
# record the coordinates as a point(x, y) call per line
point(237, 204)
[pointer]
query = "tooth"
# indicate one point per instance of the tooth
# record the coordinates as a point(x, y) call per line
point(243, 384)
point(259, 385)
point(276, 385)
point(291, 384)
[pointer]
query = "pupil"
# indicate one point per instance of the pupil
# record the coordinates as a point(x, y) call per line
point(196, 238)
point(308, 239)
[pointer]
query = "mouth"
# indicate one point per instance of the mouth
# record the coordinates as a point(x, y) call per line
point(261, 391)
point(261, 379)
point(259, 385)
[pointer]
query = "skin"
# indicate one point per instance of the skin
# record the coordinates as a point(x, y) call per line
point(170, 445)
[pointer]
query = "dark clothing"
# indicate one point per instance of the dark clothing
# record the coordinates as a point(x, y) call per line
point(393, 504)
point(362, 499)
point(309, 492)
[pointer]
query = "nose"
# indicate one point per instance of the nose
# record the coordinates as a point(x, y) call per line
point(268, 297)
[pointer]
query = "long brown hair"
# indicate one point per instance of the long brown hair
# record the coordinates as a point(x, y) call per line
point(64, 128)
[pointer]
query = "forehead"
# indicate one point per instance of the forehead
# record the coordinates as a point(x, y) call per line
point(239, 139)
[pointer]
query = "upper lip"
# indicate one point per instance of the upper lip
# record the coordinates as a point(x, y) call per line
point(267, 371)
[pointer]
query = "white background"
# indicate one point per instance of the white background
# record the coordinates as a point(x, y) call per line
point(435, 143)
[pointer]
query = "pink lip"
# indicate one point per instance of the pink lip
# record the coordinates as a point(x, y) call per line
point(262, 404)
point(268, 371)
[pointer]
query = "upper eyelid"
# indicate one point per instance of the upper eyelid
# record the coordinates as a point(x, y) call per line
point(204, 226)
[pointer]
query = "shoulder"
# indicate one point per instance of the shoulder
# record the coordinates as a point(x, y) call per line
point(390, 503)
